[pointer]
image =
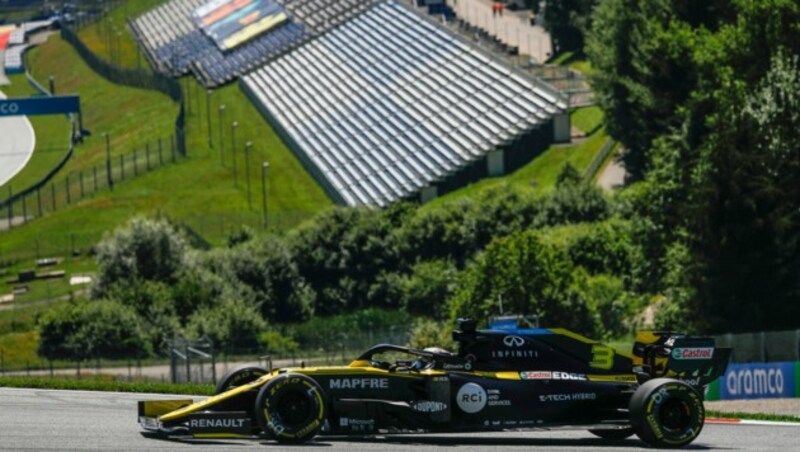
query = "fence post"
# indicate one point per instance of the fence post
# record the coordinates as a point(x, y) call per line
point(24, 210)
point(108, 162)
point(135, 165)
point(69, 198)
point(160, 156)
point(122, 167)
point(172, 147)
point(53, 193)
point(39, 200)
point(80, 175)
point(94, 171)
point(147, 155)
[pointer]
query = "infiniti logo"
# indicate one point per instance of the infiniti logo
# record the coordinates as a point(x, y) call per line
point(513, 341)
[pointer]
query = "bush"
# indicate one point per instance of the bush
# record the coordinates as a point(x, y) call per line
point(429, 287)
point(520, 274)
point(429, 333)
point(100, 329)
point(573, 201)
point(274, 341)
point(604, 248)
point(146, 249)
point(342, 253)
point(233, 324)
point(268, 268)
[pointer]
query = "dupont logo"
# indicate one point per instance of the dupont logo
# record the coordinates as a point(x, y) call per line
point(693, 353)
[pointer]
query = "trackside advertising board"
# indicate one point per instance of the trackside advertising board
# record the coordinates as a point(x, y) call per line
point(231, 23)
point(45, 105)
point(757, 381)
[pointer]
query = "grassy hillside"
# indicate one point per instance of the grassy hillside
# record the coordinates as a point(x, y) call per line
point(541, 173)
point(198, 190)
point(98, 36)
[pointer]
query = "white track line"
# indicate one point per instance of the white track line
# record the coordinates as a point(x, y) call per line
point(12, 138)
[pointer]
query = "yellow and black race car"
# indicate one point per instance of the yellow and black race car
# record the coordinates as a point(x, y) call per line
point(502, 378)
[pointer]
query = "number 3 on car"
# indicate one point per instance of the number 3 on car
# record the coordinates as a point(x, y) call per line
point(602, 357)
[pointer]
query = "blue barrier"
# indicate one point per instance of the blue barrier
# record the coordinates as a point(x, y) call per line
point(32, 106)
point(758, 381)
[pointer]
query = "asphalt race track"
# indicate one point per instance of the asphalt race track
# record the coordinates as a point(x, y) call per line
point(32, 419)
point(17, 142)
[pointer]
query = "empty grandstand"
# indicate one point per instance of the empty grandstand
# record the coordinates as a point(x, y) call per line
point(389, 105)
point(176, 44)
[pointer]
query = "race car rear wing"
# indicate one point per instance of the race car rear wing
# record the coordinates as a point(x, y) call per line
point(694, 359)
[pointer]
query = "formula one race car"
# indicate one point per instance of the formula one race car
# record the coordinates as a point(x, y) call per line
point(502, 378)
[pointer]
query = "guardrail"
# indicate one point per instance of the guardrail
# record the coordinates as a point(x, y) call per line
point(599, 159)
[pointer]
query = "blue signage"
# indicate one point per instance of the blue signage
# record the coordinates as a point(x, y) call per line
point(758, 381)
point(50, 105)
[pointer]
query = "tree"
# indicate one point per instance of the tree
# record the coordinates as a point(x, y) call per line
point(266, 266)
point(642, 53)
point(427, 289)
point(520, 274)
point(746, 217)
point(100, 329)
point(568, 21)
point(147, 249)
point(233, 324)
point(342, 253)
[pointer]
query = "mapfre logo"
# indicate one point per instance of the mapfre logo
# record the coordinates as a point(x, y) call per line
point(359, 383)
point(693, 353)
point(513, 341)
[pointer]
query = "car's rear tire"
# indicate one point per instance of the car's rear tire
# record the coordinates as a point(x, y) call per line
point(615, 434)
point(239, 377)
point(667, 413)
point(291, 408)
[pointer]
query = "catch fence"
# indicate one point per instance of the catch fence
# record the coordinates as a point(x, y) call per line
point(79, 185)
point(762, 347)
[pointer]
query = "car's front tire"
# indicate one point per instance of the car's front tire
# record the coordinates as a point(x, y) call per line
point(667, 413)
point(239, 377)
point(291, 408)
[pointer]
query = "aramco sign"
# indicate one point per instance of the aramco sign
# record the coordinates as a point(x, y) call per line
point(49, 105)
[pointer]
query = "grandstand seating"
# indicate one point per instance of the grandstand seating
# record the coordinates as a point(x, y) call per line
point(177, 46)
point(389, 103)
point(17, 37)
point(13, 61)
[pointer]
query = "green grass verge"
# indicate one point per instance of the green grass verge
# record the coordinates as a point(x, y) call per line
point(752, 416)
point(573, 60)
point(540, 174)
point(588, 119)
point(19, 349)
point(103, 383)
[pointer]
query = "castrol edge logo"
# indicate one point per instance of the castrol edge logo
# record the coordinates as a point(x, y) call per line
point(693, 353)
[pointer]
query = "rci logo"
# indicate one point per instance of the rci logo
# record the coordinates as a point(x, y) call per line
point(513, 341)
point(471, 398)
point(9, 108)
